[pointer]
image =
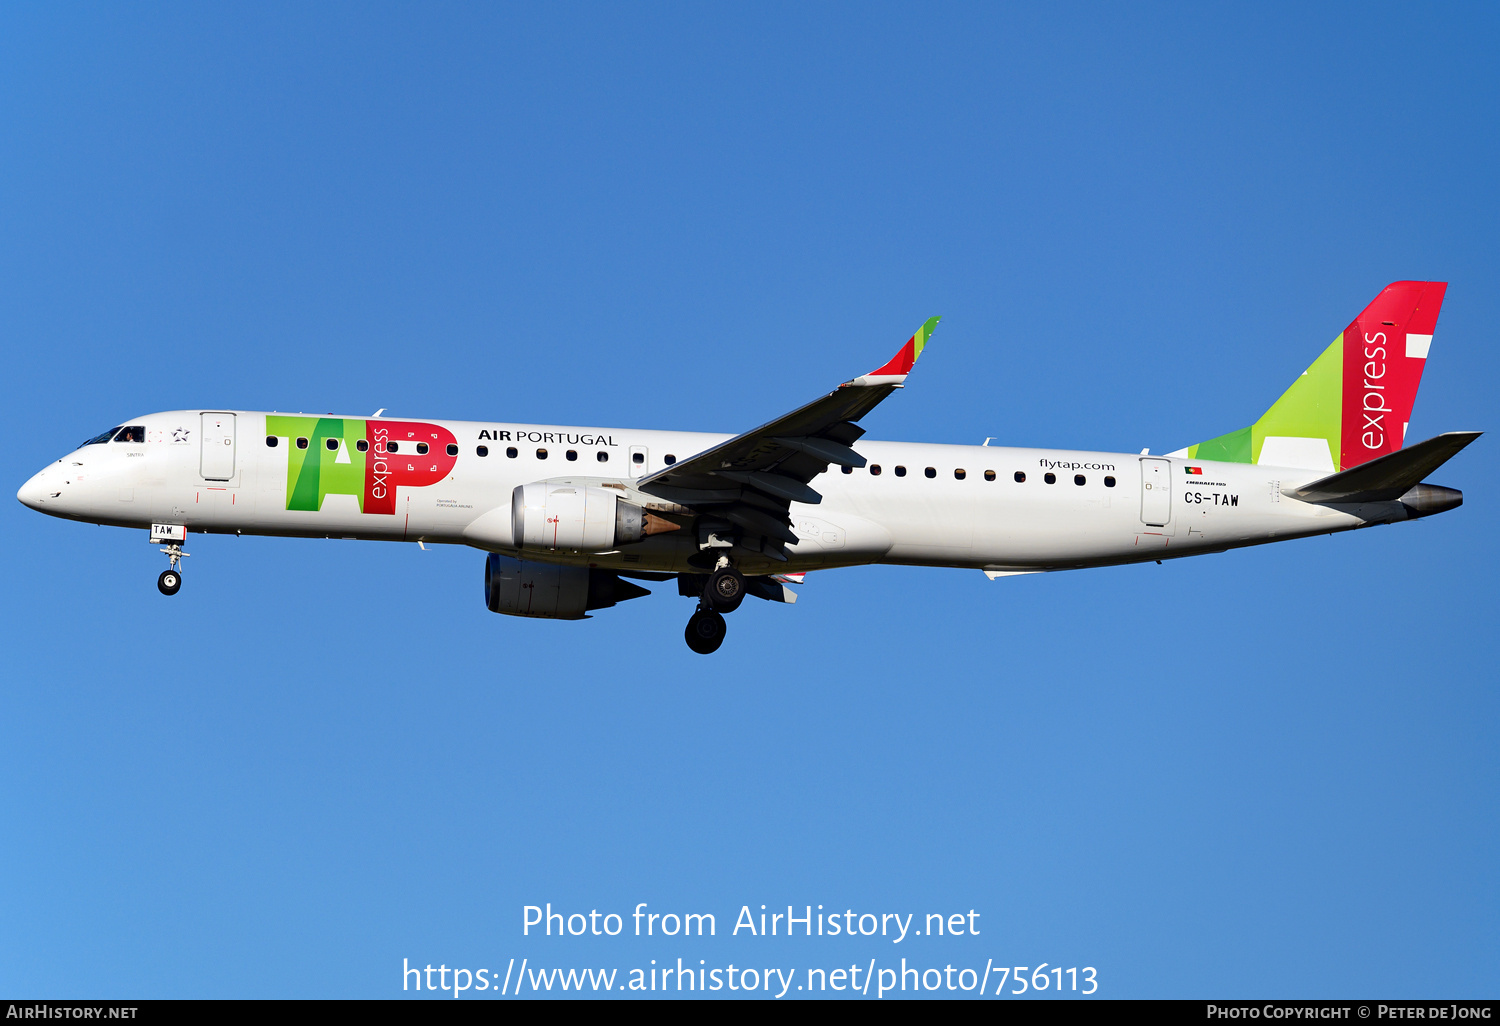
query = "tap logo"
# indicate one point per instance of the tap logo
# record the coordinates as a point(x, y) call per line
point(369, 459)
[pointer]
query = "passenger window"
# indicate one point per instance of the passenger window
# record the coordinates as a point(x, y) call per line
point(133, 433)
point(669, 459)
point(511, 452)
point(392, 446)
point(421, 448)
point(1079, 479)
point(272, 441)
point(302, 443)
point(602, 457)
point(960, 474)
point(1109, 482)
point(541, 454)
point(572, 455)
point(637, 458)
point(101, 439)
point(989, 475)
point(362, 445)
point(1020, 477)
point(481, 451)
point(900, 471)
point(875, 469)
point(331, 444)
point(930, 471)
point(1050, 478)
point(452, 449)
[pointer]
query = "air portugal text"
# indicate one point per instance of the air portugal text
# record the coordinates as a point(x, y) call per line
point(546, 437)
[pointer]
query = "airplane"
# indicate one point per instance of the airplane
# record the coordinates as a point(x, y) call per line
point(572, 516)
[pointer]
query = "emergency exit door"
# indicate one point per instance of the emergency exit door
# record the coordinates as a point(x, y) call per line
point(1156, 492)
point(216, 431)
point(640, 461)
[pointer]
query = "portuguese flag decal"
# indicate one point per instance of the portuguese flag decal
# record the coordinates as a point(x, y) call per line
point(1194, 470)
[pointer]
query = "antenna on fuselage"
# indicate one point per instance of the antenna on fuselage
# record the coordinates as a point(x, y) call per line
point(378, 412)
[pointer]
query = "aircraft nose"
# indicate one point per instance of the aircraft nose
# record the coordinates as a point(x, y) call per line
point(35, 493)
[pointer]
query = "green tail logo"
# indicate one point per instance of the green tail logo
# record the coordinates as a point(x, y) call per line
point(1354, 403)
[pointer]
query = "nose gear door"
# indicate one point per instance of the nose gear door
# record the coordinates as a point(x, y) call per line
point(217, 439)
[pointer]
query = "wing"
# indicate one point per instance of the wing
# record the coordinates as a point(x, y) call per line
point(750, 480)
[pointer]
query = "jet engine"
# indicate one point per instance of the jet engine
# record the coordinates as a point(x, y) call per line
point(523, 587)
point(585, 518)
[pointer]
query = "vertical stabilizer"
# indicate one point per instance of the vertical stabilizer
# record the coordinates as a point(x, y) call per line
point(1354, 403)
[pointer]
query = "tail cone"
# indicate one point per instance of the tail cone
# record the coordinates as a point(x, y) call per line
point(1424, 500)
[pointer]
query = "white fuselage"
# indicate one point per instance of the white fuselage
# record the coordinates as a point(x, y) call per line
point(224, 476)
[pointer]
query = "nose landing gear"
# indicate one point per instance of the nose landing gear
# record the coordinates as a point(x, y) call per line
point(170, 580)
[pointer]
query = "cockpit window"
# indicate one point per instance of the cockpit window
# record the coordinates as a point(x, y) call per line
point(133, 433)
point(100, 439)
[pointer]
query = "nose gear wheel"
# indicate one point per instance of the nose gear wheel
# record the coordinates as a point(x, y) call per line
point(170, 581)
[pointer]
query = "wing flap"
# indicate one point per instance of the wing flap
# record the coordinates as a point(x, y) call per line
point(774, 484)
point(767, 524)
point(825, 449)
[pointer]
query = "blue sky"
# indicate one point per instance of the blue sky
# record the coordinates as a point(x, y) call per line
point(1268, 772)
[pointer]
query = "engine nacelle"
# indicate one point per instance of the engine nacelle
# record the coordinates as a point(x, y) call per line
point(522, 587)
point(584, 518)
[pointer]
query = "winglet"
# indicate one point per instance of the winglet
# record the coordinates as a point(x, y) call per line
point(900, 365)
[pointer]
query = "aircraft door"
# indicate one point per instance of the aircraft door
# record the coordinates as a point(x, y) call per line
point(217, 435)
point(1156, 492)
point(640, 461)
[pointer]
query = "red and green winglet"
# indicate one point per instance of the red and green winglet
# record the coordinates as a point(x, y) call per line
point(895, 371)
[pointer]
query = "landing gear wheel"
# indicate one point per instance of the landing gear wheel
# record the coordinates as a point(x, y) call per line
point(171, 579)
point(726, 590)
point(705, 631)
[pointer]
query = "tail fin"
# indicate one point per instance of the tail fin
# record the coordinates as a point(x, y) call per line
point(1353, 404)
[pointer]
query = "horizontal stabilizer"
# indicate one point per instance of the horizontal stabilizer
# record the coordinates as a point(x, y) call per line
point(1388, 477)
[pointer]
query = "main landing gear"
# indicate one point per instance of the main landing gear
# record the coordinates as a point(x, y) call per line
point(723, 594)
point(705, 631)
point(170, 581)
